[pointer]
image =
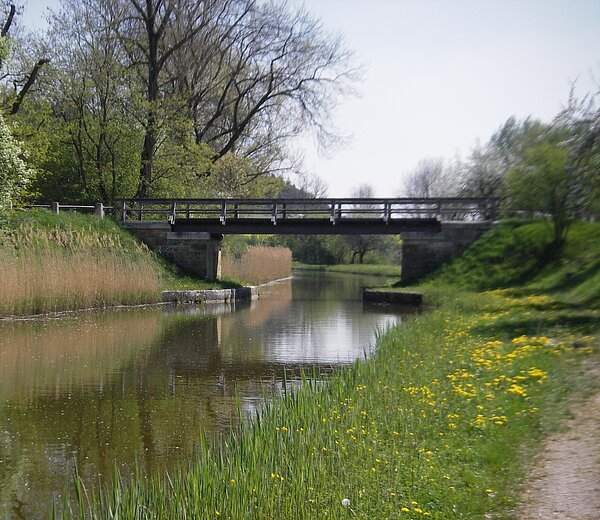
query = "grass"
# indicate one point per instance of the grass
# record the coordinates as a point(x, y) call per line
point(71, 261)
point(434, 425)
point(371, 269)
point(258, 264)
point(517, 254)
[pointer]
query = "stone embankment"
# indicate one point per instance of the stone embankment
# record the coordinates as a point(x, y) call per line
point(211, 295)
point(391, 296)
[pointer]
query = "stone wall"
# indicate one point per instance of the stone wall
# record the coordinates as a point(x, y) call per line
point(423, 253)
point(196, 253)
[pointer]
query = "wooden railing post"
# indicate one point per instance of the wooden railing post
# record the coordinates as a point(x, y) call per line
point(99, 209)
point(173, 212)
point(55, 207)
point(123, 211)
point(223, 212)
point(386, 211)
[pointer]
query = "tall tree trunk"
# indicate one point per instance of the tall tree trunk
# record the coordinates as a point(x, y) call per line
point(147, 159)
point(152, 95)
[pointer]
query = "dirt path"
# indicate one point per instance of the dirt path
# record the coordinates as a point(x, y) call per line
point(565, 484)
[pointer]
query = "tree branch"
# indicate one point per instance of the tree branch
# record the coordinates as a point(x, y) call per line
point(28, 84)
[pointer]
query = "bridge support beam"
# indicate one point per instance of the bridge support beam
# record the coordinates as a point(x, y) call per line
point(423, 253)
point(196, 253)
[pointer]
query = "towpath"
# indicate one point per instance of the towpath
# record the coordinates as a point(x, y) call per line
point(565, 481)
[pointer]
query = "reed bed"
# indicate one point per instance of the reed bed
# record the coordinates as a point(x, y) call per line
point(57, 268)
point(433, 426)
point(258, 264)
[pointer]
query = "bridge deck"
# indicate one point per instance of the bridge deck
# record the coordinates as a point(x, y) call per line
point(308, 216)
point(308, 226)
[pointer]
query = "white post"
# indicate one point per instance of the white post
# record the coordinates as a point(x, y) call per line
point(99, 209)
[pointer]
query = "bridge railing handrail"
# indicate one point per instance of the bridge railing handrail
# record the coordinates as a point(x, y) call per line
point(449, 208)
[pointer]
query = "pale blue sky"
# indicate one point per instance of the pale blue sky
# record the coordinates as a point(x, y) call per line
point(440, 75)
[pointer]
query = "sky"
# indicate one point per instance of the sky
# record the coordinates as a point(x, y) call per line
point(441, 76)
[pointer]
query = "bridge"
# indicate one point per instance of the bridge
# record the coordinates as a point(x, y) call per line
point(189, 231)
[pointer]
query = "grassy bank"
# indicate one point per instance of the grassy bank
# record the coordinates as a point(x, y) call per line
point(441, 422)
point(70, 261)
point(371, 269)
point(517, 255)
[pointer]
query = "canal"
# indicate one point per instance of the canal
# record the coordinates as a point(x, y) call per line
point(137, 386)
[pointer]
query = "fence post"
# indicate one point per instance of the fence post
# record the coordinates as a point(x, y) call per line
point(99, 209)
point(123, 211)
point(55, 207)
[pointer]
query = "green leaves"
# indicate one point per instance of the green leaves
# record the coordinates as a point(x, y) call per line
point(14, 173)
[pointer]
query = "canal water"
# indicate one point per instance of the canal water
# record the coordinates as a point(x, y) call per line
point(136, 386)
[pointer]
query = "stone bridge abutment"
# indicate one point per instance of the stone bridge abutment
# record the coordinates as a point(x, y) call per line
point(423, 253)
point(197, 253)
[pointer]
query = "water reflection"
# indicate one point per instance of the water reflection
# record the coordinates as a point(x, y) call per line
point(95, 389)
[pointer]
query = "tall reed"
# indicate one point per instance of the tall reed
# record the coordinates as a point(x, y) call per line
point(51, 269)
point(258, 264)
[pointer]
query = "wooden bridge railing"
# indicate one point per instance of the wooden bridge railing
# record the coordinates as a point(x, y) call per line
point(334, 210)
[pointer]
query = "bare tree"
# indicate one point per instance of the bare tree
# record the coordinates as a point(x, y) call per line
point(428, 179)
point(152, 32)
point(25, 69)
point(272, 73)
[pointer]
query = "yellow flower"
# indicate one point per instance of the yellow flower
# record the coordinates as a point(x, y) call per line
point(517, 389)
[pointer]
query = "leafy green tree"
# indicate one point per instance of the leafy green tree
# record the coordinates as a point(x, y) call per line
point(14, 173)
point(484, 172)
point(544, 183)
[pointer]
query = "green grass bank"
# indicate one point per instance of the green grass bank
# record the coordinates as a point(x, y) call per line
point(71, 261)
point(442, 422)
point(517, 254)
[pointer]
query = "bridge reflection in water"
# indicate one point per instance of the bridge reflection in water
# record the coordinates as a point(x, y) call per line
point(93, 389)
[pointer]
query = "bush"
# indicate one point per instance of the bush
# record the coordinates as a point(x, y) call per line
point(13, 171)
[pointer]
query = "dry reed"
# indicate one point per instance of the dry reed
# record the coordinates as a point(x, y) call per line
point(258, 264)
point(50, 270)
